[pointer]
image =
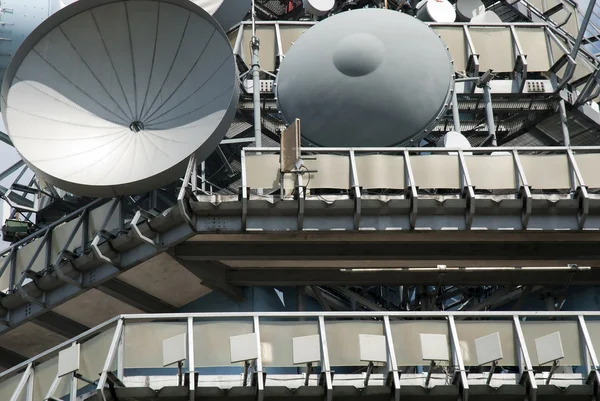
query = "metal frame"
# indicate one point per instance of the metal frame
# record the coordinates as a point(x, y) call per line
point(37, 291)
point(523, 189)
point(115, 350)
point(552, 31)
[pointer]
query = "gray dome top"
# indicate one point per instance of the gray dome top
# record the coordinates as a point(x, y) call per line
point(368, 77)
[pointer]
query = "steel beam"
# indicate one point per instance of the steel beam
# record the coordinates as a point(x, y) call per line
point(359, 299)
point(60, 325)
point(8, 358)
point(277, 277)
point(5, 138)
point(214, 276)
point(135, 297)
point(429, 249)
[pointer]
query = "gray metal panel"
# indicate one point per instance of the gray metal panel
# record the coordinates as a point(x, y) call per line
point(351, 82)
point(148, 353)
point(380, 171)
point(469, 331)
point(342, 340)
point(494, 47)
point(407, 340)
point(569, 336)
point(211, 341)
point(454, 37)
point(277, 339)
point(436, 171)
point(76, 80)
point(534, 43)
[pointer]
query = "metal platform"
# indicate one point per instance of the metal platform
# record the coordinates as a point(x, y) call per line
point(401, 216)
point(345, 226)
point(123, 359)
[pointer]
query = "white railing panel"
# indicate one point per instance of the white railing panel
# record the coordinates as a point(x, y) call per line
point(468, 331)
point(494, 47)
point(407, 340)
point(534, 43)
point(8, 387)
point(454, 38)
point(277, 338)
point(342, 340)
point(593, 327)
point(436, 171)
point(211, 339)
point(381, 171)
point(146, 352)
point(569, 334)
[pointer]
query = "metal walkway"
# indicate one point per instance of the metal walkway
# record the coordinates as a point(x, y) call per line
point(356, 209)
point(371, 356)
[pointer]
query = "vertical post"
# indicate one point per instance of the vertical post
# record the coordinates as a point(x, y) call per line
point(563, 122)
point(525, 365)
point(562, 111)
point(13, 271)
point(392, 364)
point(259, 368)
point(455, 114)
point(73, 387)
point(325, 367)
point(29, 390)
point(458, 357)
point(489, 114)
point(121, 357)
point(109, 358)
point(191, 366)
point(203, 175)
point(591, 359)
point(255, 45)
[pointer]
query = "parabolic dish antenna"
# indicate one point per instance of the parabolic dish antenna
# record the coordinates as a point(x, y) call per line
point(318, 7)
point(436, 11)
point(228, 13)
point(111, 97)
point(467, 9)
point(488, 17)
point(352, 82)
point(454, 140)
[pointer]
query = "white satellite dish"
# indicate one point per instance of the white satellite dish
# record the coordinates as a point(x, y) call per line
point(436, 11)
point(488, 17)
point(454, 140)
point(318, 7)
point(467, 9)
point(100, 102)
point(227, 12)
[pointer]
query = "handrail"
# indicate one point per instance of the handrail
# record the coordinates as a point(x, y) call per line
point(290, 315)
point(564, 149)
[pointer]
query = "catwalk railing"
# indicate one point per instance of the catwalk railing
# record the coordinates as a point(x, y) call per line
point(125, 357)
point(418, 175)
point(533, 190)
point(532, 52)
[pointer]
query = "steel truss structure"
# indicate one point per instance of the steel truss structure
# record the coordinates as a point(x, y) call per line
point(515, 228)
point(112, 351)
point(435, 217)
